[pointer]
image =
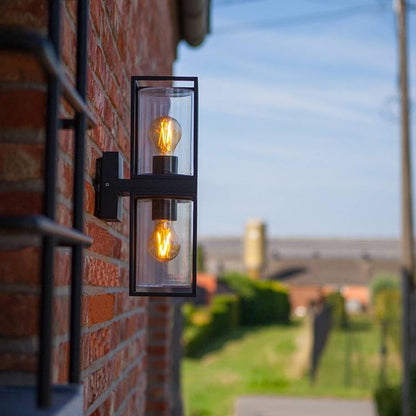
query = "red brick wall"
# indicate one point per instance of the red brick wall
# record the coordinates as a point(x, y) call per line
point(303, 295)
point(125, 341)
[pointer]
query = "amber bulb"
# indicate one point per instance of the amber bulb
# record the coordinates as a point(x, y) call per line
point(163, 243)
point(165, 133)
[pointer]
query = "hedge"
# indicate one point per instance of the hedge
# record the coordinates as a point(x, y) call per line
point(388, 401)
point(262, 302)
point(389, 398)
point(206, 323)
point(339, 313)
point(251, 303)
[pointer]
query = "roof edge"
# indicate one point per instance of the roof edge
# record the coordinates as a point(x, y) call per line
point(194, 20)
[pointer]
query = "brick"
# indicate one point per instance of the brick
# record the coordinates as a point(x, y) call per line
point(158, 350)
point(65, 178)
point(100, 308)
point(118, 364)
point(71, 8)
point(20, 203)
point(61, 363)
point(89, 198)
point(96, 14)
point(32, 13)
point(17, 67)
point(98, 382)
point(22, 108)
point(101, 273)
point(66, 141)
point(104, 409)
point(99, 343)
point(84, 311)
point(62, 267)
point(96, 95)
point(69, 47)
point(60, 320)
point(18, 318)
point(121, 393)
point(104, 243)
point(14, 361)
point(156, 408)
point(91, 162)
point(20, 266)
point(155, 322)
point(132, 325)
point(85, 351)
point(63, 215)
point(20, 161)
point(117, 331)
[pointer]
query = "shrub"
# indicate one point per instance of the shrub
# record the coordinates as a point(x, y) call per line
point(389, 398)
point(209, 322)
point(195, 337)
point(339, 314)
point(387, 305)
point(383, 282)
point(252, 303)
point(232, 304)
point(200, 259)
point(187, 311)
point(261, 302)
point(388, 401)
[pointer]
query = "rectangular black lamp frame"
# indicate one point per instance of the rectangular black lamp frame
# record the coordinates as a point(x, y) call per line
point(110, 185)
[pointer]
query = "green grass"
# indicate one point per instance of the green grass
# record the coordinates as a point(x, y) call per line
point(274, 360)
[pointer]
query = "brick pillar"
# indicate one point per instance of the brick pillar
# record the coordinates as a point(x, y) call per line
point(22, 116)
point(160, 318)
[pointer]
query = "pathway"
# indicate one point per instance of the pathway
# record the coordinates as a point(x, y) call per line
point(293, 406)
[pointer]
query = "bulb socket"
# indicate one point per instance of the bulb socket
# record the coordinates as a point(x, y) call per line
point(165, 164)
point(164, 209)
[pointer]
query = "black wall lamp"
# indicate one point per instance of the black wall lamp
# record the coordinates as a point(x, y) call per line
point(162, 187)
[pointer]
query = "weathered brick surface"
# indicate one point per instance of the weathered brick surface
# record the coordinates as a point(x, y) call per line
point(159, 357)
point(20, 266)
point(18, 318)
point(100, 308)
point(125, 341)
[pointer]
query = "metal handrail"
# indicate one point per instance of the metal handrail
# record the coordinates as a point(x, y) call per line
point(39, 224)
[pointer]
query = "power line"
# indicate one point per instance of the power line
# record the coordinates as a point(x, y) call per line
point(296, 20)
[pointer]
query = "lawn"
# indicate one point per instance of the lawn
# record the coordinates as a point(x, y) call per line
point(274, 360)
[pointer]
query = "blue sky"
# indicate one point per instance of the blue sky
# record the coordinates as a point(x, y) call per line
point(299, 124)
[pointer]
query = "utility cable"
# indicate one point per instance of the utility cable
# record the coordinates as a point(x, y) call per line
point(296, 20)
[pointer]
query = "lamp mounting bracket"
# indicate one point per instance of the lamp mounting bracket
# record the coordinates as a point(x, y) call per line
point(110, 186)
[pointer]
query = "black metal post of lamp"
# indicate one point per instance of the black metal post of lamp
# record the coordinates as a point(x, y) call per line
point(162, 186)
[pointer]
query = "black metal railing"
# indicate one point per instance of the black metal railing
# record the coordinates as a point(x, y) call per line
point(47, 51)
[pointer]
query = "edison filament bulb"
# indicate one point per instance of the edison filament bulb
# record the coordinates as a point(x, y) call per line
point(165, 133)
point(163, 243)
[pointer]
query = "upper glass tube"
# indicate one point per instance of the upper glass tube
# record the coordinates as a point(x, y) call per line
point(165, 127)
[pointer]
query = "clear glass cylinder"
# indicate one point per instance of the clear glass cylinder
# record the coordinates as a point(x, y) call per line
point(165, 127)
point(164, 245)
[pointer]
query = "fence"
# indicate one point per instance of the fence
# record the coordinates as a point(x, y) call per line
point(321, 327)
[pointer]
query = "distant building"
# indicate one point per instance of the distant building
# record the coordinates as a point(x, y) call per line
point(312, 267)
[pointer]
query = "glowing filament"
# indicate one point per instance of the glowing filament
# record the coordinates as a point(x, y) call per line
point(165, 132)
point(163, 244)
